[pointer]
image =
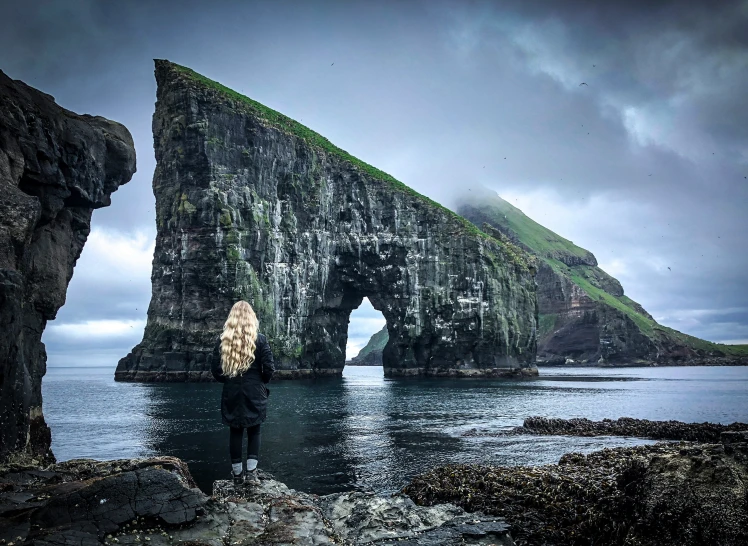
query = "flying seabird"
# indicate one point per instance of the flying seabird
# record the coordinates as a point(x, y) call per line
point(581, 84)
point(669, 268)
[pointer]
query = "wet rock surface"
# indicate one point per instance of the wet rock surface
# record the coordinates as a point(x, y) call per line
point(154, 501)
point(627, 426)
point(664, 494)
point(84, 501)
point(56, 167)
point(252, 205)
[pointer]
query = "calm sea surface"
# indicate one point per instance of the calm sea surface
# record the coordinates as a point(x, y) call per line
point(365, 431)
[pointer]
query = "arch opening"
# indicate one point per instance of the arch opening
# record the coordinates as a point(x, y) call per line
point(366, 336)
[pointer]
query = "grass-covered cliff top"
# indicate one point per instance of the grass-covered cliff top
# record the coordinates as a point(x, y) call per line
point(313, 138)
point(541, 240)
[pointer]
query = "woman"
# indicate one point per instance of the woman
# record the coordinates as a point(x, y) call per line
point(243, 362)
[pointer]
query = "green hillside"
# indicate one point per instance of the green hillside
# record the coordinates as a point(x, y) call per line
point(371, 354)
point(579, 266)
point(534, 237)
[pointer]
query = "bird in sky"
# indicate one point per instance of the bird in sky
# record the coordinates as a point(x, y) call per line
point(332, 64)
point(583, 83)
point(669, 268)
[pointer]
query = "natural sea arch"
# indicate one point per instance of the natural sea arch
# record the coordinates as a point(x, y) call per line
point(366, 328)
point(252, 205)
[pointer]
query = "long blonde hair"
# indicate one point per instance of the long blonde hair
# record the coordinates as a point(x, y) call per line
point(238, 339)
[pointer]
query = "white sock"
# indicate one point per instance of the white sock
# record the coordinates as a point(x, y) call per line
point(236, 468)
point(251, 464)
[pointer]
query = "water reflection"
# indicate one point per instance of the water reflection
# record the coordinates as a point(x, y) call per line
point(91, 416)
point(368, 432)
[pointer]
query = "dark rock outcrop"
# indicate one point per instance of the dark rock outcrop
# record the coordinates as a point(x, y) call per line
point(55, 168)
point(584, 315)
point(624, 426)
point(82, 501)
point(627, 426)
point(656, 495)
point(252, 205)
point(155, 501)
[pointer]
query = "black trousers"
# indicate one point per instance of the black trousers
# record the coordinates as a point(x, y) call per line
point(235, 443)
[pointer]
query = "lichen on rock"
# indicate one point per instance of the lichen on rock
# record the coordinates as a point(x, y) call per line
point(282, 218)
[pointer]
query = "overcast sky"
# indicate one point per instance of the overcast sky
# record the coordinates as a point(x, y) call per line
point(646, 165)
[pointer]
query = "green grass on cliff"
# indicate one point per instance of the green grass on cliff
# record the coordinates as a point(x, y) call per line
point(313, 138)
point(702, 344)
point(375, 343)
point(541, 240)
point(551, 246)
point(577, 276)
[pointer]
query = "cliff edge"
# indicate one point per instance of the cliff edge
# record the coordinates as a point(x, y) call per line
point(55, 168)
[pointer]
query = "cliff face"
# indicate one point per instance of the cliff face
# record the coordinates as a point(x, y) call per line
point(55, 168)
point(252, 205)
point(584, 315)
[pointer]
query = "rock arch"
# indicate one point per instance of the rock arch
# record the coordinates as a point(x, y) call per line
point(253, 205)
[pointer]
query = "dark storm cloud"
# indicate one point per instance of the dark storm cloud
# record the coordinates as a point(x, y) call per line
point(644, 165)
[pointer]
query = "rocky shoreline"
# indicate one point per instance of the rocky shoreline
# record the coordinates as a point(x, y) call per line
point(685, 493)
point(665, 494)
point(155, 501)
point(695, 360)
point(625, 426)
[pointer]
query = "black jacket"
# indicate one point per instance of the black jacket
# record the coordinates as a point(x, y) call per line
point(244, 398)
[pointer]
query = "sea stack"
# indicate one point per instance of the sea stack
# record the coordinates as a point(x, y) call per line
point(55, 168)
point(253, 205)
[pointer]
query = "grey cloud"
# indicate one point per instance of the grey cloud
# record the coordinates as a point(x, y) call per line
point(438, 94)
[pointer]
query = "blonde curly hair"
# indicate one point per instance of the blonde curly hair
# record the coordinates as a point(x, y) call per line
point(238, 339)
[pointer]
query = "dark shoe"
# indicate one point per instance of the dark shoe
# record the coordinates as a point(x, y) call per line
point(238, 478)
point(251, 478)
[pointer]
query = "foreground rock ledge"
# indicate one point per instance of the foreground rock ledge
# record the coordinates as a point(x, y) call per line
point(155, 501)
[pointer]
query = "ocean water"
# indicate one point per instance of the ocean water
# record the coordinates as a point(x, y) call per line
point(367, 432)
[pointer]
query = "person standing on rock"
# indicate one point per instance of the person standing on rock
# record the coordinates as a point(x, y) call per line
point(243, 362)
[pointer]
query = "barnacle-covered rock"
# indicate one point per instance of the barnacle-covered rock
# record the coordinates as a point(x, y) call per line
point(664, 494)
